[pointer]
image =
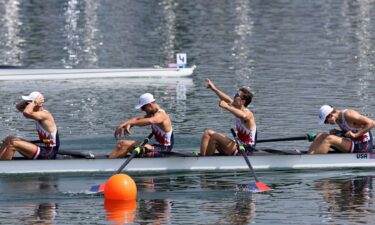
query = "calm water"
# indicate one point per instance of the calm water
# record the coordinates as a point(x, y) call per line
point(294, 55)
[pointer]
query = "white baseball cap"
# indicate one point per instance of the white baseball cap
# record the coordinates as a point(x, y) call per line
point(32, 96)
point(145, 99)
point(324, 111)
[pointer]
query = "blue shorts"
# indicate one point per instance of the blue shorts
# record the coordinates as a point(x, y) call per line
point(362, 144)
point(361, 147)
point(44, 152)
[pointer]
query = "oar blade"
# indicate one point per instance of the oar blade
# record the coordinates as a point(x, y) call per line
point(97, 188)
point(258, 187)
point(262, 186)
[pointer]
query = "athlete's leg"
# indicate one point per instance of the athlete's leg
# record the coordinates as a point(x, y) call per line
point(223, 144)
point(13, 144)
point(122, 149)
point(324, 142)
point(212, 140)
point(205, 140)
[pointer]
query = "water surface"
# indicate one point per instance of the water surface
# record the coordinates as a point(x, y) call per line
point(294, 55)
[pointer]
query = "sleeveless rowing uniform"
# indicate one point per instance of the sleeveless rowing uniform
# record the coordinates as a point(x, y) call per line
point(49, 145)
point(359, 144)
point(164, 140)
point(246, 136)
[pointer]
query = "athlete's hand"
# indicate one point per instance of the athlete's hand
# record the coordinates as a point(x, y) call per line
point(127, 130)
point(118, 132)
point(350, 134)
point(39, 100)
point(210, 85)
point(333, 131)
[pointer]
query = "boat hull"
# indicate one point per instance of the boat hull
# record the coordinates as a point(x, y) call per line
point(61, 74)
point(170, 164)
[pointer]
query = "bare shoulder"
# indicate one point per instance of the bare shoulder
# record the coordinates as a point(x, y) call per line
point(46, 114)
point(161, 112)
point(249, 114)
point(350, 113)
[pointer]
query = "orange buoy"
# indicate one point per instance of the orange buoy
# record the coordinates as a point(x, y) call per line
point(120, 187)
point(120, 212)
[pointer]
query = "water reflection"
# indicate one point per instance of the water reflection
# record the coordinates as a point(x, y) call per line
point(38, 211)
point(211, 195)
point(156, 210)
point(365, 52)
point(10, 39)
point(241, 210)
point(168, 29)
point(45, 213)
point(72, 47)
point(351, 199)
point(90, 35)
point(241, 46)
point(120, 212)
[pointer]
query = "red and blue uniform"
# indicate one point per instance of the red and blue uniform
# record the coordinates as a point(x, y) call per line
point(49, 145)
point(359, 144)
point(246, 136)
point(164, 140)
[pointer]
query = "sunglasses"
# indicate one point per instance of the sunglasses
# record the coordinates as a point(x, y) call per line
point(237, 95)
point(144, 107)
point(329, 116)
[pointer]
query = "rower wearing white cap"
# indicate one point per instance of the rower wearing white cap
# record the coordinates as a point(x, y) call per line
point(48, 144)
point(354, 136)
point(160, 123)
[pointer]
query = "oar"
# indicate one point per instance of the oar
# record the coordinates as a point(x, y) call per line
point(137, 150)
point(258, 186)
point(76, 154)
point(308, 136)
point(180, 154)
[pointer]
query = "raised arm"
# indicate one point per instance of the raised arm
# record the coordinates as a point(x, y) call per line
point(218, 92)
point(30, 112)
point(236, 112)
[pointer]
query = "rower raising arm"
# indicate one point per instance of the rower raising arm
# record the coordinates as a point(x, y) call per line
point(219, 93)
point(245, 123)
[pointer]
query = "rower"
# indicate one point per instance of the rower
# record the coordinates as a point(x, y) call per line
point(245, 124)
point(354, 135)
point(155, 117)
point(32, 107)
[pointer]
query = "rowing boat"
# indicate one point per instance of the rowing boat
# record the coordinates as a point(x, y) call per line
point(64, 74)
point(259, 160)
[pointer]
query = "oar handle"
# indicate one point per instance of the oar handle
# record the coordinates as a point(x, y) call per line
point(137, 150)
point(145, 141)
